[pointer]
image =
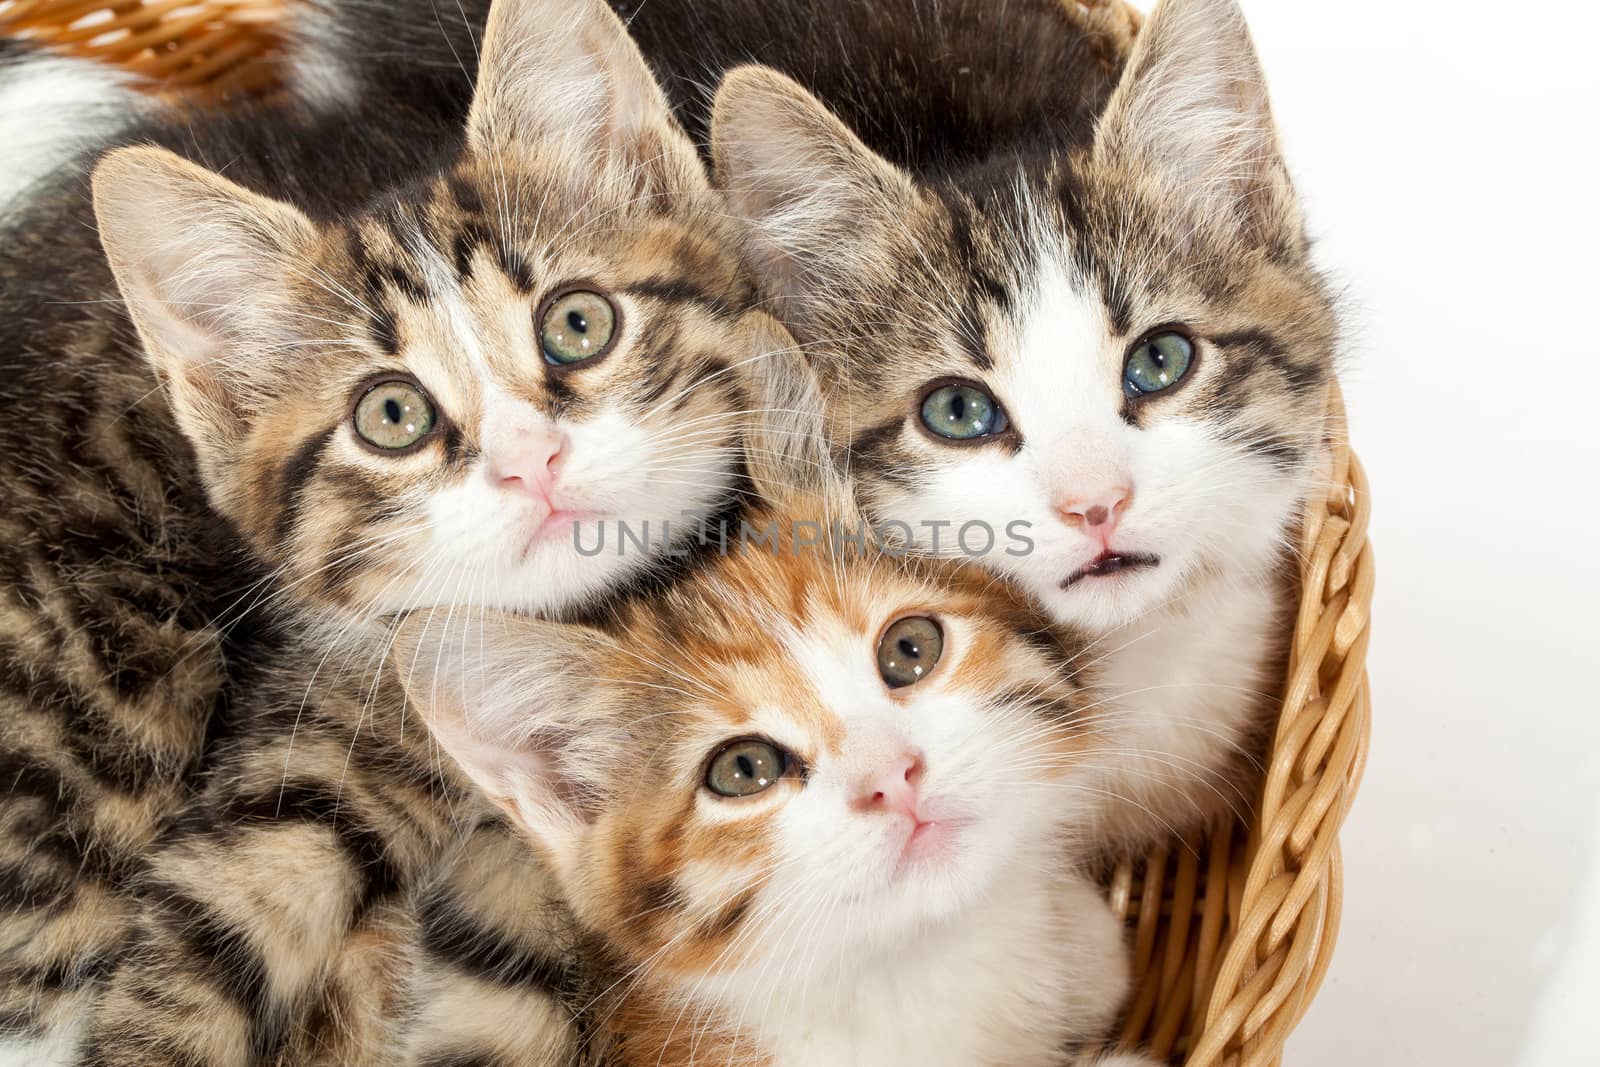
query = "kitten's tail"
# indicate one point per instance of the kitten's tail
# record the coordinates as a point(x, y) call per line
point(52, 110)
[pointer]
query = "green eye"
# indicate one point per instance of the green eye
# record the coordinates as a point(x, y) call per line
point(962, 413)
point(908, 650)
point(393, 416)
point(745, 768)
point(1156, 363)
point(577, 326)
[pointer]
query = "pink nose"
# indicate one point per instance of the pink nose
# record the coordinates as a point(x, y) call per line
point(530, 462)
point(894, 789)
point(1098, 513)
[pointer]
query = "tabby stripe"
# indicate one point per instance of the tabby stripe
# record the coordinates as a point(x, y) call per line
point(451, 936)
point(728, 919)
point(1283, 454)
point(382, 326)
point(29, 889)
point(1302, 377)
point(872, 441)
point(677, 291)
point(313, 802)
point(1037, 703)
point(66, 975)
point(296, 473)
point(221, 951)
point(659, 377)
point(151, 1049)
point(972, 331)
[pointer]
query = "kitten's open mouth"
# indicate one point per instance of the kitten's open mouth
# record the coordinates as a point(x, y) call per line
point(1110, 563)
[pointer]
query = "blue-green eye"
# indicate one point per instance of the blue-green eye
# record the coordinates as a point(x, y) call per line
point(577, 326)
point(961, 412)
point(1157, 363)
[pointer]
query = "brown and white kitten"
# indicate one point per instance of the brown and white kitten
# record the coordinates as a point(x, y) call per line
point(413, 404)
point(1114, 336)
point(372, 338)
point(808, 805)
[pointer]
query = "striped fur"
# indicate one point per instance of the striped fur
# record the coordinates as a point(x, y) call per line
point(194, 553)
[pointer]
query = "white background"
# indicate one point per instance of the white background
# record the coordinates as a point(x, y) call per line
point(1447, 155)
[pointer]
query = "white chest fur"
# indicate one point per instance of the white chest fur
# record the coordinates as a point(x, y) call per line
point(1181, 692)
point(1037, 965)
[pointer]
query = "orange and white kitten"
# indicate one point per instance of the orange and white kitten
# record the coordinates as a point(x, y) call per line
point(810, 804)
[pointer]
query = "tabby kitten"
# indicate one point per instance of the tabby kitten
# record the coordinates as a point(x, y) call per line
point(808, 805)
point(414, 406)
point(1114, 336)
point(397, 368)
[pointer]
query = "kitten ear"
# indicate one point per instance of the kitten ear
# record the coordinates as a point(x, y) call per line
point(566, 70)
point(1191, 111)
point(206, 270)
point(816, 201)
point(516, 703)
point(786, 445)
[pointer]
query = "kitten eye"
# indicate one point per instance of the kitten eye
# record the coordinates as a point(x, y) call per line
point(745, 768)
point(393, 415)
point(1156, 363)
point(908, 650)
point(962, 412)
point(576, 326)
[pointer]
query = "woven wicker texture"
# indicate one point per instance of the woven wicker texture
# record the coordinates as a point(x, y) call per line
point(1232, 931)
point(177, 45)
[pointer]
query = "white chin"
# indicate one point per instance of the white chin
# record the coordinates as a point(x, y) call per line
point(1103, 604)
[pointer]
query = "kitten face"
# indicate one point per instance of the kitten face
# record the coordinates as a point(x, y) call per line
point(515, 446)
point(413, 406)
point(1125, 347)
point(780, 738)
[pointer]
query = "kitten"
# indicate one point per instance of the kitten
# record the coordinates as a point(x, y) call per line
point(1112, 334)
point(808, 804)
point(396, 367)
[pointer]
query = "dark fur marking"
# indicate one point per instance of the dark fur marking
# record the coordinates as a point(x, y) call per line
point(296, 474)
point(385, 332)
point(972, 331)
point(30, 889)
point(451, 935)
point(659, 895)
point(728, 919)
point(220, 950)
point(315, 802)
point(874, 440)
point(1276, 448)
point(676, 291)
point(516, 267)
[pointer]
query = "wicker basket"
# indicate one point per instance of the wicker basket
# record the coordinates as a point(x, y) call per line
point(177, 46)
point(1232, 932)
